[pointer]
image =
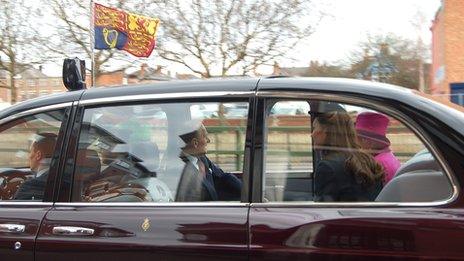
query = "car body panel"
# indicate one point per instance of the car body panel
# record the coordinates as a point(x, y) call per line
point(28, 215)
point(319, 233)
point(188, 231)
point(322, 231)
point(174, 233)
point(253, 230)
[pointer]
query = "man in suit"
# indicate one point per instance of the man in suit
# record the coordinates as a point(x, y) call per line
point(41, 152)
point(201, 179)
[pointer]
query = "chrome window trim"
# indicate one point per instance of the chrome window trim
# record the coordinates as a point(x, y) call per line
point(35, 111)
point(165, 96)
point(152, 204)
point(404, 119)
point(25, 203)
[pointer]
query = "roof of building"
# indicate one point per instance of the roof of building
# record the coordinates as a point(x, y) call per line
point(294, 71)
point(29, 73)
point(147, 73)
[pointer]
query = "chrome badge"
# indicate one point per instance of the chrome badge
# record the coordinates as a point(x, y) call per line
point(146, 224)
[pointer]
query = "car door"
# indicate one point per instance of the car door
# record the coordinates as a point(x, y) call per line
point(415, 215)
point(122, 183)
point(20, 213)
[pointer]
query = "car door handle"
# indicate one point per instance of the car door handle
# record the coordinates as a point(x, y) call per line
point(72, 231)
point(12, 228)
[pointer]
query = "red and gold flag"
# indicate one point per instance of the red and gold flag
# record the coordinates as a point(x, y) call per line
point(133, 33)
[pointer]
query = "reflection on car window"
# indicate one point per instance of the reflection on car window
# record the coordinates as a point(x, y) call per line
point(27, 146)
point(160, 153)
point(345, 153)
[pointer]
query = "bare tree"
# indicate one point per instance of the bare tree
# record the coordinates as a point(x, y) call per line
point(16, 42)
point(217, 37)
point(388, 58)
point(419, 23)
point(71, 36)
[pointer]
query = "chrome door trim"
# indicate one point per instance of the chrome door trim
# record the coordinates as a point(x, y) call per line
point(35, 110)
point(165, 96)
point(404, 119)
point(25, 203)
point(72, 231)
point(12, 228)
point(152, 204)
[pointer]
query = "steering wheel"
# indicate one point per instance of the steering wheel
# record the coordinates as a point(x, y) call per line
point(10, 181)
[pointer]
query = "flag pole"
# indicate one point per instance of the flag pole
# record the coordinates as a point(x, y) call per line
point(92, 43)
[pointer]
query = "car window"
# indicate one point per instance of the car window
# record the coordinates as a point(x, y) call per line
point(343, 153)
point(288, 147)
point(184, 152)
point(27, 146)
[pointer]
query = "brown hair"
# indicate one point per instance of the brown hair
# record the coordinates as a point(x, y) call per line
point(45, 142)
point(341, 138)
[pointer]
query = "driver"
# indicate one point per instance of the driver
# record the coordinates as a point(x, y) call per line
point(41, 152)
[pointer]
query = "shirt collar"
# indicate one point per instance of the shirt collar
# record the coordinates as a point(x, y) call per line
point(41, 172)
point(193, 159)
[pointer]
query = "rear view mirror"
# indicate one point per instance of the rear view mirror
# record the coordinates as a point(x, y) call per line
point(74, 74)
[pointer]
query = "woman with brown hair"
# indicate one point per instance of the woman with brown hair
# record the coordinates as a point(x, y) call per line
point(345, 173)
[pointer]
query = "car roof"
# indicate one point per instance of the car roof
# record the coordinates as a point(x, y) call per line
point(186, 86)
point(386, 92)
point(42, 101)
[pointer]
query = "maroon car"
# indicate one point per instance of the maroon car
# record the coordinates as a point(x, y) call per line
point(115, 174)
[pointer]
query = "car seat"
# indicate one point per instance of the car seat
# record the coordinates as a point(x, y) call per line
point(419, 186)
point(423, 160)
point(88, 168)
point(146, 153)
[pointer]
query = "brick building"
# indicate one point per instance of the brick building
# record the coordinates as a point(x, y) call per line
point(447, 74)
point(33, 82)
point(148, 74)
point(145, 74)
point(30, 83)
point(289, 71)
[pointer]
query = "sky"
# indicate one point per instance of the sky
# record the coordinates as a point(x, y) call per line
point(348, 23)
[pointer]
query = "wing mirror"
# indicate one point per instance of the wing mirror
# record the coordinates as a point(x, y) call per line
point(74, 74)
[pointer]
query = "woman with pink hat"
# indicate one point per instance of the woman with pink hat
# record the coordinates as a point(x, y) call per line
point(345, 172)
point(372, 129)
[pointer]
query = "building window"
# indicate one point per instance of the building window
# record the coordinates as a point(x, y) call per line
point(31, 83)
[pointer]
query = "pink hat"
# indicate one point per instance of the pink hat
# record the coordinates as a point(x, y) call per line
point(373, 126)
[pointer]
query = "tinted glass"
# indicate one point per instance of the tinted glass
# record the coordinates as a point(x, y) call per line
point(344, 153)
point(27, 146)
point(185, 152)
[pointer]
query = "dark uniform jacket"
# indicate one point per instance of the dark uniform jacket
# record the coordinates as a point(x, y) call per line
point(217, 185)
point(32, 189)
point(333, 183)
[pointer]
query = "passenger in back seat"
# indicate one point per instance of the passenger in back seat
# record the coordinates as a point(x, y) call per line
point(201, 179)
point(372, 129)
point(345, 172)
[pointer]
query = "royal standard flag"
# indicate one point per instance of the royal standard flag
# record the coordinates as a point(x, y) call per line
point(125, 31)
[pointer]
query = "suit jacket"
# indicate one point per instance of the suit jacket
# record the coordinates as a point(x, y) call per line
point(33, 189)
point(217, 185)
point(333, 183)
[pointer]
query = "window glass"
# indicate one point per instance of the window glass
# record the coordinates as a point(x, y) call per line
point(348, 153)
point(26, 149)
point(288, 147)
point(185, 152)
